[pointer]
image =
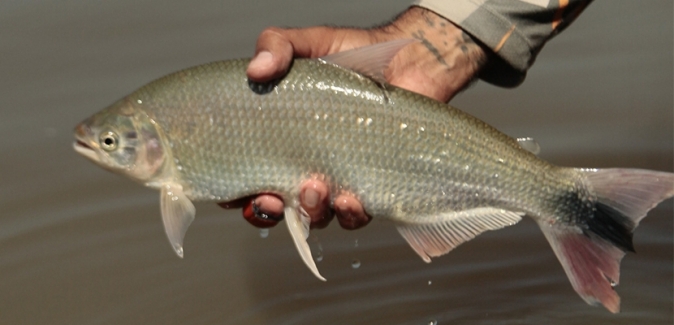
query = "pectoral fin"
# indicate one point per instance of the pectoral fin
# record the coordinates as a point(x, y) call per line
point(298, 225)
point(177, 212)
point(433, 236)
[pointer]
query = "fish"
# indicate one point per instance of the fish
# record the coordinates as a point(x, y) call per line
point(442, 176)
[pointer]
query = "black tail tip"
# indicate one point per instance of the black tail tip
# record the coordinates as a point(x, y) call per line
point(613, 226)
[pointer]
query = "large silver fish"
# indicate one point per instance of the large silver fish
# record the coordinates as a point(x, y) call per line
point(441, 175)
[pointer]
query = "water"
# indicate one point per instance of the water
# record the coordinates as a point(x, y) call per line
point(82, 246)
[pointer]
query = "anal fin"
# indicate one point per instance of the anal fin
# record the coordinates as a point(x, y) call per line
point(436, 236)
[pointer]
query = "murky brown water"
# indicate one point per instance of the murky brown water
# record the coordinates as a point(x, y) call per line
point(82, 246)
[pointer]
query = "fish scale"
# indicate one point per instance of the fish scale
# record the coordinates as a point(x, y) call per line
point(442, 176)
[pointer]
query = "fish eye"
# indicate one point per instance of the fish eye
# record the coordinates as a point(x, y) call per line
point(108, 140)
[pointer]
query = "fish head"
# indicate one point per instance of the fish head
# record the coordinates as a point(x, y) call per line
point(122, 139)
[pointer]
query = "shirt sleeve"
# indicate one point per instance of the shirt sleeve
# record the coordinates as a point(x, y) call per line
point(515, 30)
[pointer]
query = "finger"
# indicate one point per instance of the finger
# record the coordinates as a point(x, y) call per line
point(314, 200)
point(273, 54)
point(264, 211)
point(276, 48)
point(350, 212)
point(269, 204)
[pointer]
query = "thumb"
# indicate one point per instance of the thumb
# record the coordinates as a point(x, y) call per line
point(276, 48)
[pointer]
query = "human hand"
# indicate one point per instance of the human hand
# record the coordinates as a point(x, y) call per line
point(441, 64)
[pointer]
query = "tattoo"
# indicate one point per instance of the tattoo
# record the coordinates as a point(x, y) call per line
point(420, 36)
point(429, 21)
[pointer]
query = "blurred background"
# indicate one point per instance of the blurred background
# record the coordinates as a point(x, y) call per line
point(79, 245)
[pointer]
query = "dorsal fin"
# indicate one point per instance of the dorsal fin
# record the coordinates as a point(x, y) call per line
point(529, 144)
point(371, 60)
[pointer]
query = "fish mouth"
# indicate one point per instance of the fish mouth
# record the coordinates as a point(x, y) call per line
point(85, 149)
point(84, 145)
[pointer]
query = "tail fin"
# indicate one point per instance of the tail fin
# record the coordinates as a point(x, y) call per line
point(591, 255)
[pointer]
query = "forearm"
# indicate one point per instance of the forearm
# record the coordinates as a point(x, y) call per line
point(446, 54)
point(515, 31)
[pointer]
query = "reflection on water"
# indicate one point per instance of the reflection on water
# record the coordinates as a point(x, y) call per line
point(81, 246)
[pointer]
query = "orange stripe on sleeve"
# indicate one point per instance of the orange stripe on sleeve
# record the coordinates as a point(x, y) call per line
point(559, 14)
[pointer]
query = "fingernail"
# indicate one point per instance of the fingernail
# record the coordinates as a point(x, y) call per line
point(262, 59)
point(310, 198)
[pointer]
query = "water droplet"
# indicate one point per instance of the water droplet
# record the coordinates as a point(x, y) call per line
point(264, 232)
point(430, 282)
point(403, 126)
point(355, 264)
point(316, 117)
point(494, 176)
point(319, 257)
point(139, 101)
point(422, 129)
point(467, 167)
point(613, 283)
point(174, 198)
point(179, 167)
point(360, 120)
point(432, 322)
point(368, 121)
